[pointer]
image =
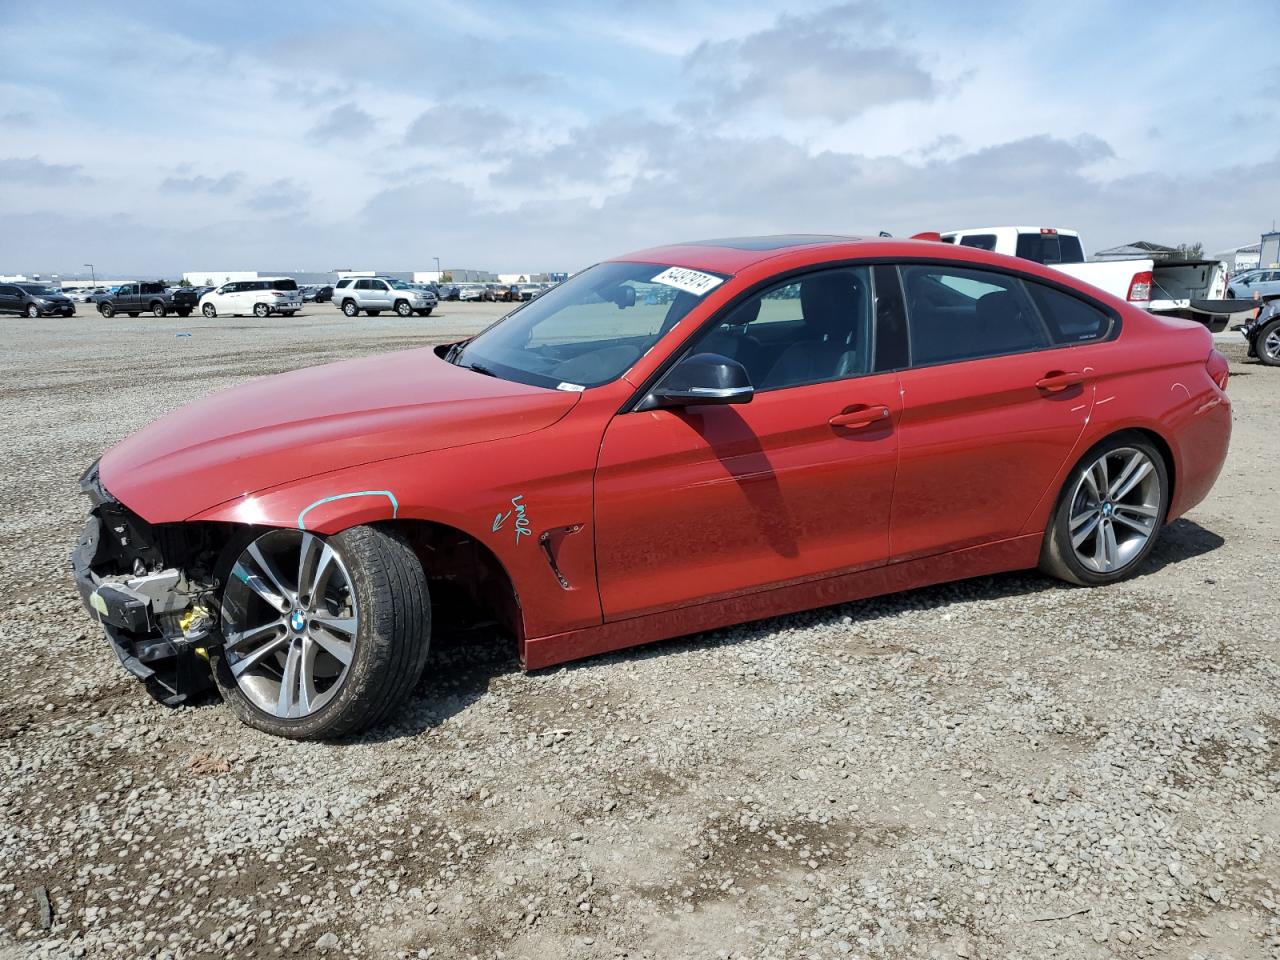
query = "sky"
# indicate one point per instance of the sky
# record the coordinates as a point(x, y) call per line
point(160, 137)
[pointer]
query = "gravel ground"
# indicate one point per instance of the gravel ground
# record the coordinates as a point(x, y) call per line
point(1004, 767)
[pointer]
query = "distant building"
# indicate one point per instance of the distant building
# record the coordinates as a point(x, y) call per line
point(1138, 250)
point(1239, 259)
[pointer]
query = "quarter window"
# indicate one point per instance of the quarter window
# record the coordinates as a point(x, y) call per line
point(1069, 319)
point(956, 313)
point(811, 330)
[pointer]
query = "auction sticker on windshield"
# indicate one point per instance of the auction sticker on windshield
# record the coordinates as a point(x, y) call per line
point(690, 281)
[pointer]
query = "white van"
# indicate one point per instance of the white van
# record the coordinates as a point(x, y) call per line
point(261, 297)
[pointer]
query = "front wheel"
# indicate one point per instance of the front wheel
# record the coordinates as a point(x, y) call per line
point(403, 308)
point(350, 309)
point(33, 311)
point(1267, 344)
point(107, 310)
point(1109, 513)
point(209, 310)
point(322, 636)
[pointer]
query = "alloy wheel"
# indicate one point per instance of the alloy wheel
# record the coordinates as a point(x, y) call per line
point(1271, 344)
point(289, 623)
point(1114, 509)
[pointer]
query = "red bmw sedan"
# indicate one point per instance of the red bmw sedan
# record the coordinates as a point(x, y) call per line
point(673, 441)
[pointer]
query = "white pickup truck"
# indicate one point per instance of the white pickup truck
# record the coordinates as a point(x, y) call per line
point(1192, 289)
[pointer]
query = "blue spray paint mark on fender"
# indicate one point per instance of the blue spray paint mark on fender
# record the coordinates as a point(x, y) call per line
point(395, 506)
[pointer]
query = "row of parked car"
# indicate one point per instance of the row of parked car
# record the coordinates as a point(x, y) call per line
point(262, 297)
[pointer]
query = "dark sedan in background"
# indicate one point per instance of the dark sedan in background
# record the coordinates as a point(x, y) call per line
point(35, 300)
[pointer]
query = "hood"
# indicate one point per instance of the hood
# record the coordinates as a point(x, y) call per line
point(307, 422)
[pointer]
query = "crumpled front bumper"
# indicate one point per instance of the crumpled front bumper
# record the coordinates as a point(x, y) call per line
point(130, 612)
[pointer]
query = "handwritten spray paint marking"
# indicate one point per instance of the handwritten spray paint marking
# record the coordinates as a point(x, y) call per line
point(522, 526)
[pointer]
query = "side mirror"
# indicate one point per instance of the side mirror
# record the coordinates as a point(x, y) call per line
point(704, 378)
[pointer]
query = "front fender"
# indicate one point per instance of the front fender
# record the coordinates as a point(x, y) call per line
point(526, 499)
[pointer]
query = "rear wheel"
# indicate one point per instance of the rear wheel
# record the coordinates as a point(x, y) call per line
point(350, 308)
point(157, 309)
point(323, 636)
point(1109, 513)
point(1267, 344)
point(261, 310)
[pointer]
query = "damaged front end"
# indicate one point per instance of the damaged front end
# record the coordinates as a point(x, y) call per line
point(153, 589)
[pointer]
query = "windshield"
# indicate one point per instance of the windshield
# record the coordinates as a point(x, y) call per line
point(399, 285)
point(590, 329)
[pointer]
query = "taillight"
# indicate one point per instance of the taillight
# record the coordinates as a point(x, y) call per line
point(1219, 369)
point(1140, 287)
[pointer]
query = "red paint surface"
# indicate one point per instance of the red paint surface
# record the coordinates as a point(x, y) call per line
point(694, 519)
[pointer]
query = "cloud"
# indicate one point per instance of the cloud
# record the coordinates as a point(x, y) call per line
point(472, 128)
point(345, 120)
point(215, 186)
point(18, 118)
point(282, 194)
point(831, 65)
point(35, 172)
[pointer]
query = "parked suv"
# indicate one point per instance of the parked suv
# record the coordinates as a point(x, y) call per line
point(35, 300)
point(261, 297)
point(375, 294)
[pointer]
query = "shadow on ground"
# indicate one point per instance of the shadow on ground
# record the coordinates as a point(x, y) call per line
point(462, 666)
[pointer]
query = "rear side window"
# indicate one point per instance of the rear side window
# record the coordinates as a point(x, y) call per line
point(955, 313)
point(1069, 319)
point(981, 241)
point(285, 284)
point(343, 283)
point(1049, 248)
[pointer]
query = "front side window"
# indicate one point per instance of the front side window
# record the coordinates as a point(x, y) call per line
point(1069, 319)
point(809, 330)
point(590, 329)
point(955, 313)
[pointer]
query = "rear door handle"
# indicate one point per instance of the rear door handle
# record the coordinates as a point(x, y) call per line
point(1058, 381)
point(860, 416)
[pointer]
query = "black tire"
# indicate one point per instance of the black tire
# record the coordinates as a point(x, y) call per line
point(287, 313)
point(1058, 559)
point(107, 310)
point(261, 310)
point(209, 310)
point(134, 314)
point(1270, 357)
point(33, 311)
point(350, 309)
point(403, 308)
point(157, 309)
point(184, 313)
point(425, 312)
point(373, 313)
point(391, 644)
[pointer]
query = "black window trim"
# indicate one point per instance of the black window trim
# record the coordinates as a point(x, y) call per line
point(726, 310)
point(718, 317)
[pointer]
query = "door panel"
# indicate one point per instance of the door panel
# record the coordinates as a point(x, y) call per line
point(713, 500)
point(980, 443)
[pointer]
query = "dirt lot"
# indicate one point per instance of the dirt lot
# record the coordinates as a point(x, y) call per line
point(1004, 767)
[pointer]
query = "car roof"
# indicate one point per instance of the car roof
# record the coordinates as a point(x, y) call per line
point(732, 254)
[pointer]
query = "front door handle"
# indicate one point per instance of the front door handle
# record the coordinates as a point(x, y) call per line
point(860, 416)
point(1057, 381)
